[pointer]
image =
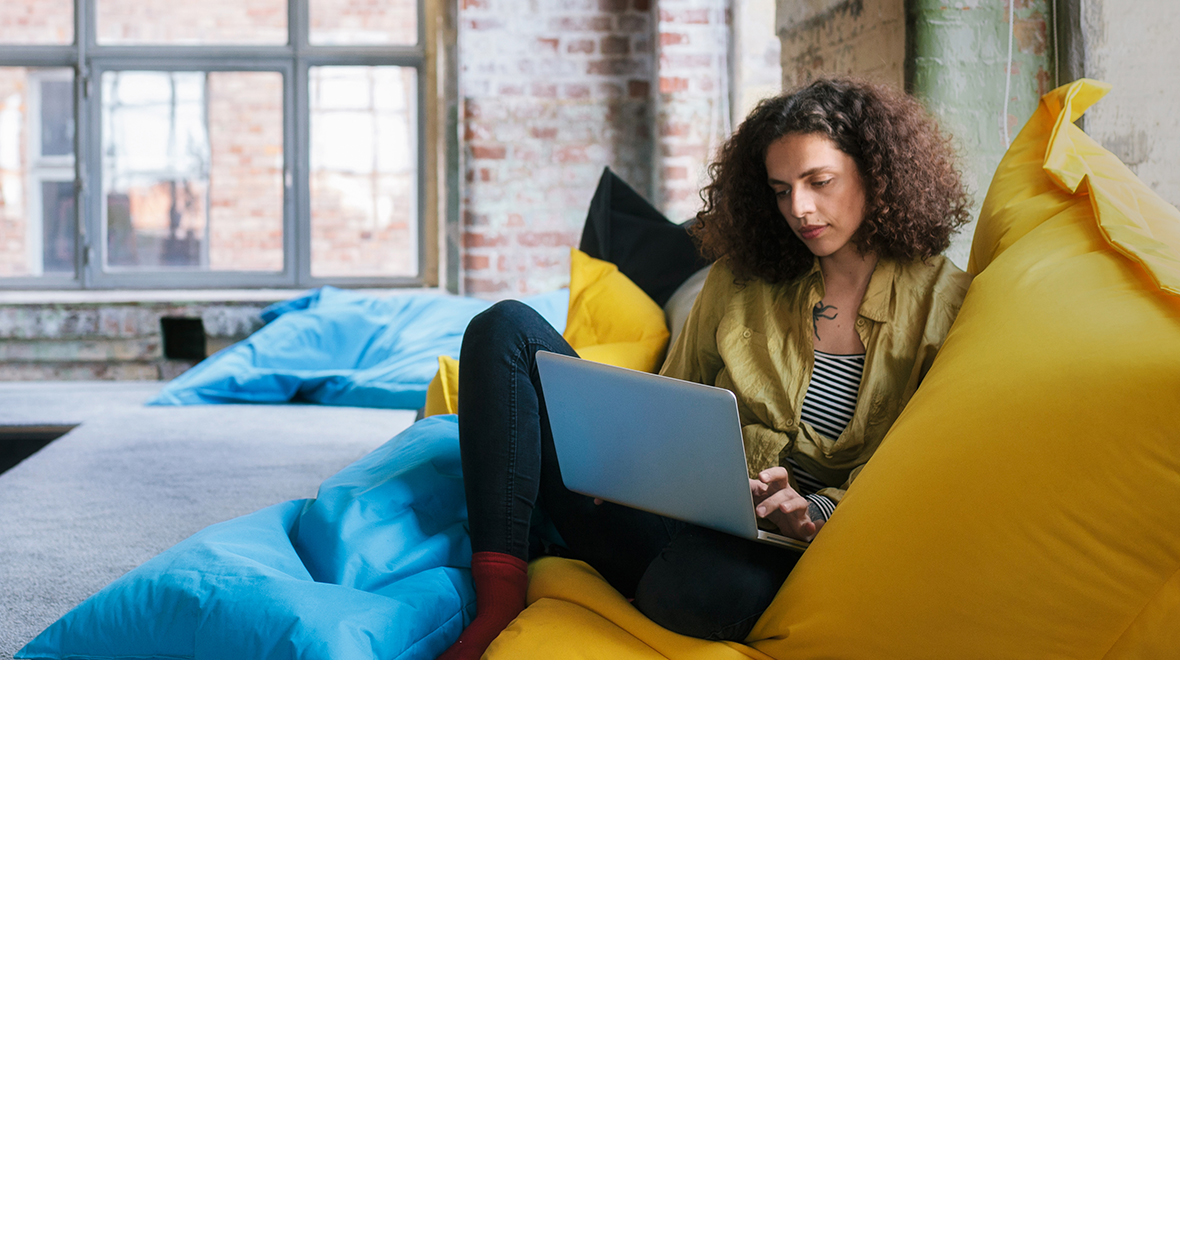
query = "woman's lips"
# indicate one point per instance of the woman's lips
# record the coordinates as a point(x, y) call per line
point(810, 234)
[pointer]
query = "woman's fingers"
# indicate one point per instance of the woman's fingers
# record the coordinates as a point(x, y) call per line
point(785, 507)
point(784, 501)
point(795, 525)
point(769, 484)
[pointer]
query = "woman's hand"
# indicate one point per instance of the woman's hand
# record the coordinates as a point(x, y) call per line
point(775, 498)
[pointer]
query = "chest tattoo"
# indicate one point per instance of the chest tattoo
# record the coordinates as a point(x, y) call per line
point(817, 313)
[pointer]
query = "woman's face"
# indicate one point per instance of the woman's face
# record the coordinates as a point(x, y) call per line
point(819, 191)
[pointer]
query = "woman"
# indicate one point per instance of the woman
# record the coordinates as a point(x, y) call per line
point(827, 301)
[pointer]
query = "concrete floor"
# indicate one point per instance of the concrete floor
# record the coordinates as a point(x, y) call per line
point(131, 481)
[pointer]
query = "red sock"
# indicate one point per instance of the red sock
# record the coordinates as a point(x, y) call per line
point(501, 584)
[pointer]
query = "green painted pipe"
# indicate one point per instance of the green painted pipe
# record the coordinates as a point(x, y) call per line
point(958, 66)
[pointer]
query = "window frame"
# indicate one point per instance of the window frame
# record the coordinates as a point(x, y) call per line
point(89, 60)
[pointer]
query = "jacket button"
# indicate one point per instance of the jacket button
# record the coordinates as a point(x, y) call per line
point(747, 334)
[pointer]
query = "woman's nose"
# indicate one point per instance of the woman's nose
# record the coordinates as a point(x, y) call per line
point(802, 204)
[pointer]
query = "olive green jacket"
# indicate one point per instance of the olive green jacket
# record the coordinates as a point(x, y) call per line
point(756, 340)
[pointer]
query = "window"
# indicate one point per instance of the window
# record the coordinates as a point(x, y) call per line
point(189, 143)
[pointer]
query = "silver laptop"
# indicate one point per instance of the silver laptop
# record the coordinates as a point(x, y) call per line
point(651, 442)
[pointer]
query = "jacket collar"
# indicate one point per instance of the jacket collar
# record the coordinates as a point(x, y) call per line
point(878, 302)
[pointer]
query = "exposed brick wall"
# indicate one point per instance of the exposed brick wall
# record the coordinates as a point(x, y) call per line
point(551, 90)
point(861, 40)
point(693, 107)
point(109, 340)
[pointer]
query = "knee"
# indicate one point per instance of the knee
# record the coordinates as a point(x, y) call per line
point(500, 326)
point(684, 604)
point(712, 586)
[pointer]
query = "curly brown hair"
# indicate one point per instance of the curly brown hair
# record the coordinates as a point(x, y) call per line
point(914, 194)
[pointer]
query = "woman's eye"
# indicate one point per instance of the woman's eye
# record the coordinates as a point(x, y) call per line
point(821, 184)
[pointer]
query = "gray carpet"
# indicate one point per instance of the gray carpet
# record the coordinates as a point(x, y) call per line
point(132, 481)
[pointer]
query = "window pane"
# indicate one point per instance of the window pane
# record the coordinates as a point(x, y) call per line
point(364, 178)
point(192, 21)
point(363, 21)
point(155, 156)
point(193, 170)
point(246, 178)
point(37, 200)
point(36, 21)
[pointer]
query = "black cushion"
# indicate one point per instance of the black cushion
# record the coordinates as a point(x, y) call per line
point(625, 229)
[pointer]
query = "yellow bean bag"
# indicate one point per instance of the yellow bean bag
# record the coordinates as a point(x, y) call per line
point(1027, 502)
point(610, 319)
point(574, 614)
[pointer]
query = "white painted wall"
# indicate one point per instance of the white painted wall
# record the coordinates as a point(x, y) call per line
point(1135, 46)
point(757, 67)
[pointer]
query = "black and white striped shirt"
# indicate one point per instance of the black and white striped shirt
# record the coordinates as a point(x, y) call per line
point(827, 407)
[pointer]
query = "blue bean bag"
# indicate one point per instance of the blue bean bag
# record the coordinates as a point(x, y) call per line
point(375, 567)
point(334, 347)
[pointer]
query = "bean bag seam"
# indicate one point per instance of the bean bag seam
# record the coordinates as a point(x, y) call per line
point(1146, 604)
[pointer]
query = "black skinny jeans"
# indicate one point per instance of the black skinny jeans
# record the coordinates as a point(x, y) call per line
point(692, 580)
